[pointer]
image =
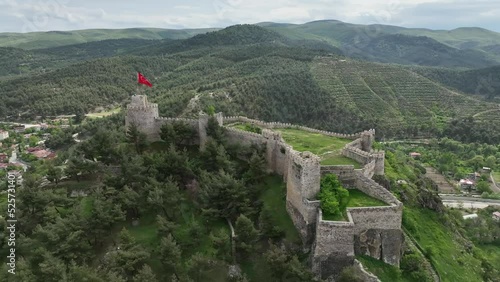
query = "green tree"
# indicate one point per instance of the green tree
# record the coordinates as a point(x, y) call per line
point(145, 274)
point(170, 254)
point(165, 227)
point(168, 134)
point(104, 214)
point(215, 131)
point(54, 174)
point(491, 162)
point(286, 267)
point(333, 196)
point(128, 258)
point(256, 169)
point(267, 224)
point(136, 137)
point(199, 266)
point(165, 197)
point(246, 234)
point(483, 186)
point(221, 242)
point(224, 196)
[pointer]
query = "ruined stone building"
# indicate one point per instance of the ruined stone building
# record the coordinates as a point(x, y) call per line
point(373, 231)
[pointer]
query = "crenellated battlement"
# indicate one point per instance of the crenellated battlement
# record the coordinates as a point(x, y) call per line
point(150, 106)
point(333, 244)
point(271, 125)
point(176, 119)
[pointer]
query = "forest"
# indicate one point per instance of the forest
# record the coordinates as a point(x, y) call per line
point(154, 212)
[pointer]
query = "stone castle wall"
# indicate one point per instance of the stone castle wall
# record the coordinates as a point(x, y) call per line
point(372, 230)
point(345, 173)
point(271, 125)
point(333, 247)
point(302, 186)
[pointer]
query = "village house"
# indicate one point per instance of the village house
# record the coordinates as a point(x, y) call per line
point(4, 134)
point(474, 176)
point(415, 155)
point(470, 216)
point(486, 170)
point(467, 184)
point(496, 216)
point(41, 153)
point(19, 128)
point(4, 157)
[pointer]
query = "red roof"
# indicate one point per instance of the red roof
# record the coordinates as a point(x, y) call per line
point(41, 154)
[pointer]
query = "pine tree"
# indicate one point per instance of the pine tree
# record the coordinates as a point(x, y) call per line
point(246, 234)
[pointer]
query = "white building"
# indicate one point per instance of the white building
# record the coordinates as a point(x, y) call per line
point(4, 134)
point(468, 216)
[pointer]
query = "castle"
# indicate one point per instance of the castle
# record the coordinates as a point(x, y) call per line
point(373, 231)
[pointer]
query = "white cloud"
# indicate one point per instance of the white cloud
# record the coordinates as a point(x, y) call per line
point(41, 15)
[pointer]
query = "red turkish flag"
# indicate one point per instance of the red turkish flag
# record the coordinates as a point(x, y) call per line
point(141, 79)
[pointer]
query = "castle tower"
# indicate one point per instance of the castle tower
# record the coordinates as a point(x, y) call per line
point(143, 114)
point(379, 163)
point(367, 138)
point(303, 185)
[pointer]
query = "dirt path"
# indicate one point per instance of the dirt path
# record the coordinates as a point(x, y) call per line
point(443, 185)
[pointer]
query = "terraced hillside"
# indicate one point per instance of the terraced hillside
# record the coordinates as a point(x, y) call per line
point(391, 95)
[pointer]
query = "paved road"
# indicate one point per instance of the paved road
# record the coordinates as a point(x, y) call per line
point(467, 202)
point(471, 199)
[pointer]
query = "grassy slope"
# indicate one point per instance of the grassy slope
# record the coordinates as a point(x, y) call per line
point(104, 114)
point(37, 40)
point(449, 257)
point(274, 197)
point(496, 176)
point(384, 272)
point(391, 95)
point(492, 253)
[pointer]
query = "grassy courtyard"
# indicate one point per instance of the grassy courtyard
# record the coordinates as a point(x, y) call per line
point(360, 199)
point(326, 147)
point(356, 199)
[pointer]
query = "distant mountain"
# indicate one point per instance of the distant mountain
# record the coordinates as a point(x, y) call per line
point(237, 35)
point(269, 81)
point(458, 48)
point(463, 47)
point(39, 40)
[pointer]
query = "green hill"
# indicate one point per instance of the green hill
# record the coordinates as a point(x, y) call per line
point(37, 40)
point(248, 70)
point(464, 47)
point(484, 82)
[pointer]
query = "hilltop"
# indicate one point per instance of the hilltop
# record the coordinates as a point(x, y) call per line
point(38, 40)
point(461, 47)
point(244, 70)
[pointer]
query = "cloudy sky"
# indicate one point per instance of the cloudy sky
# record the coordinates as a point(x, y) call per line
point(44, 15)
